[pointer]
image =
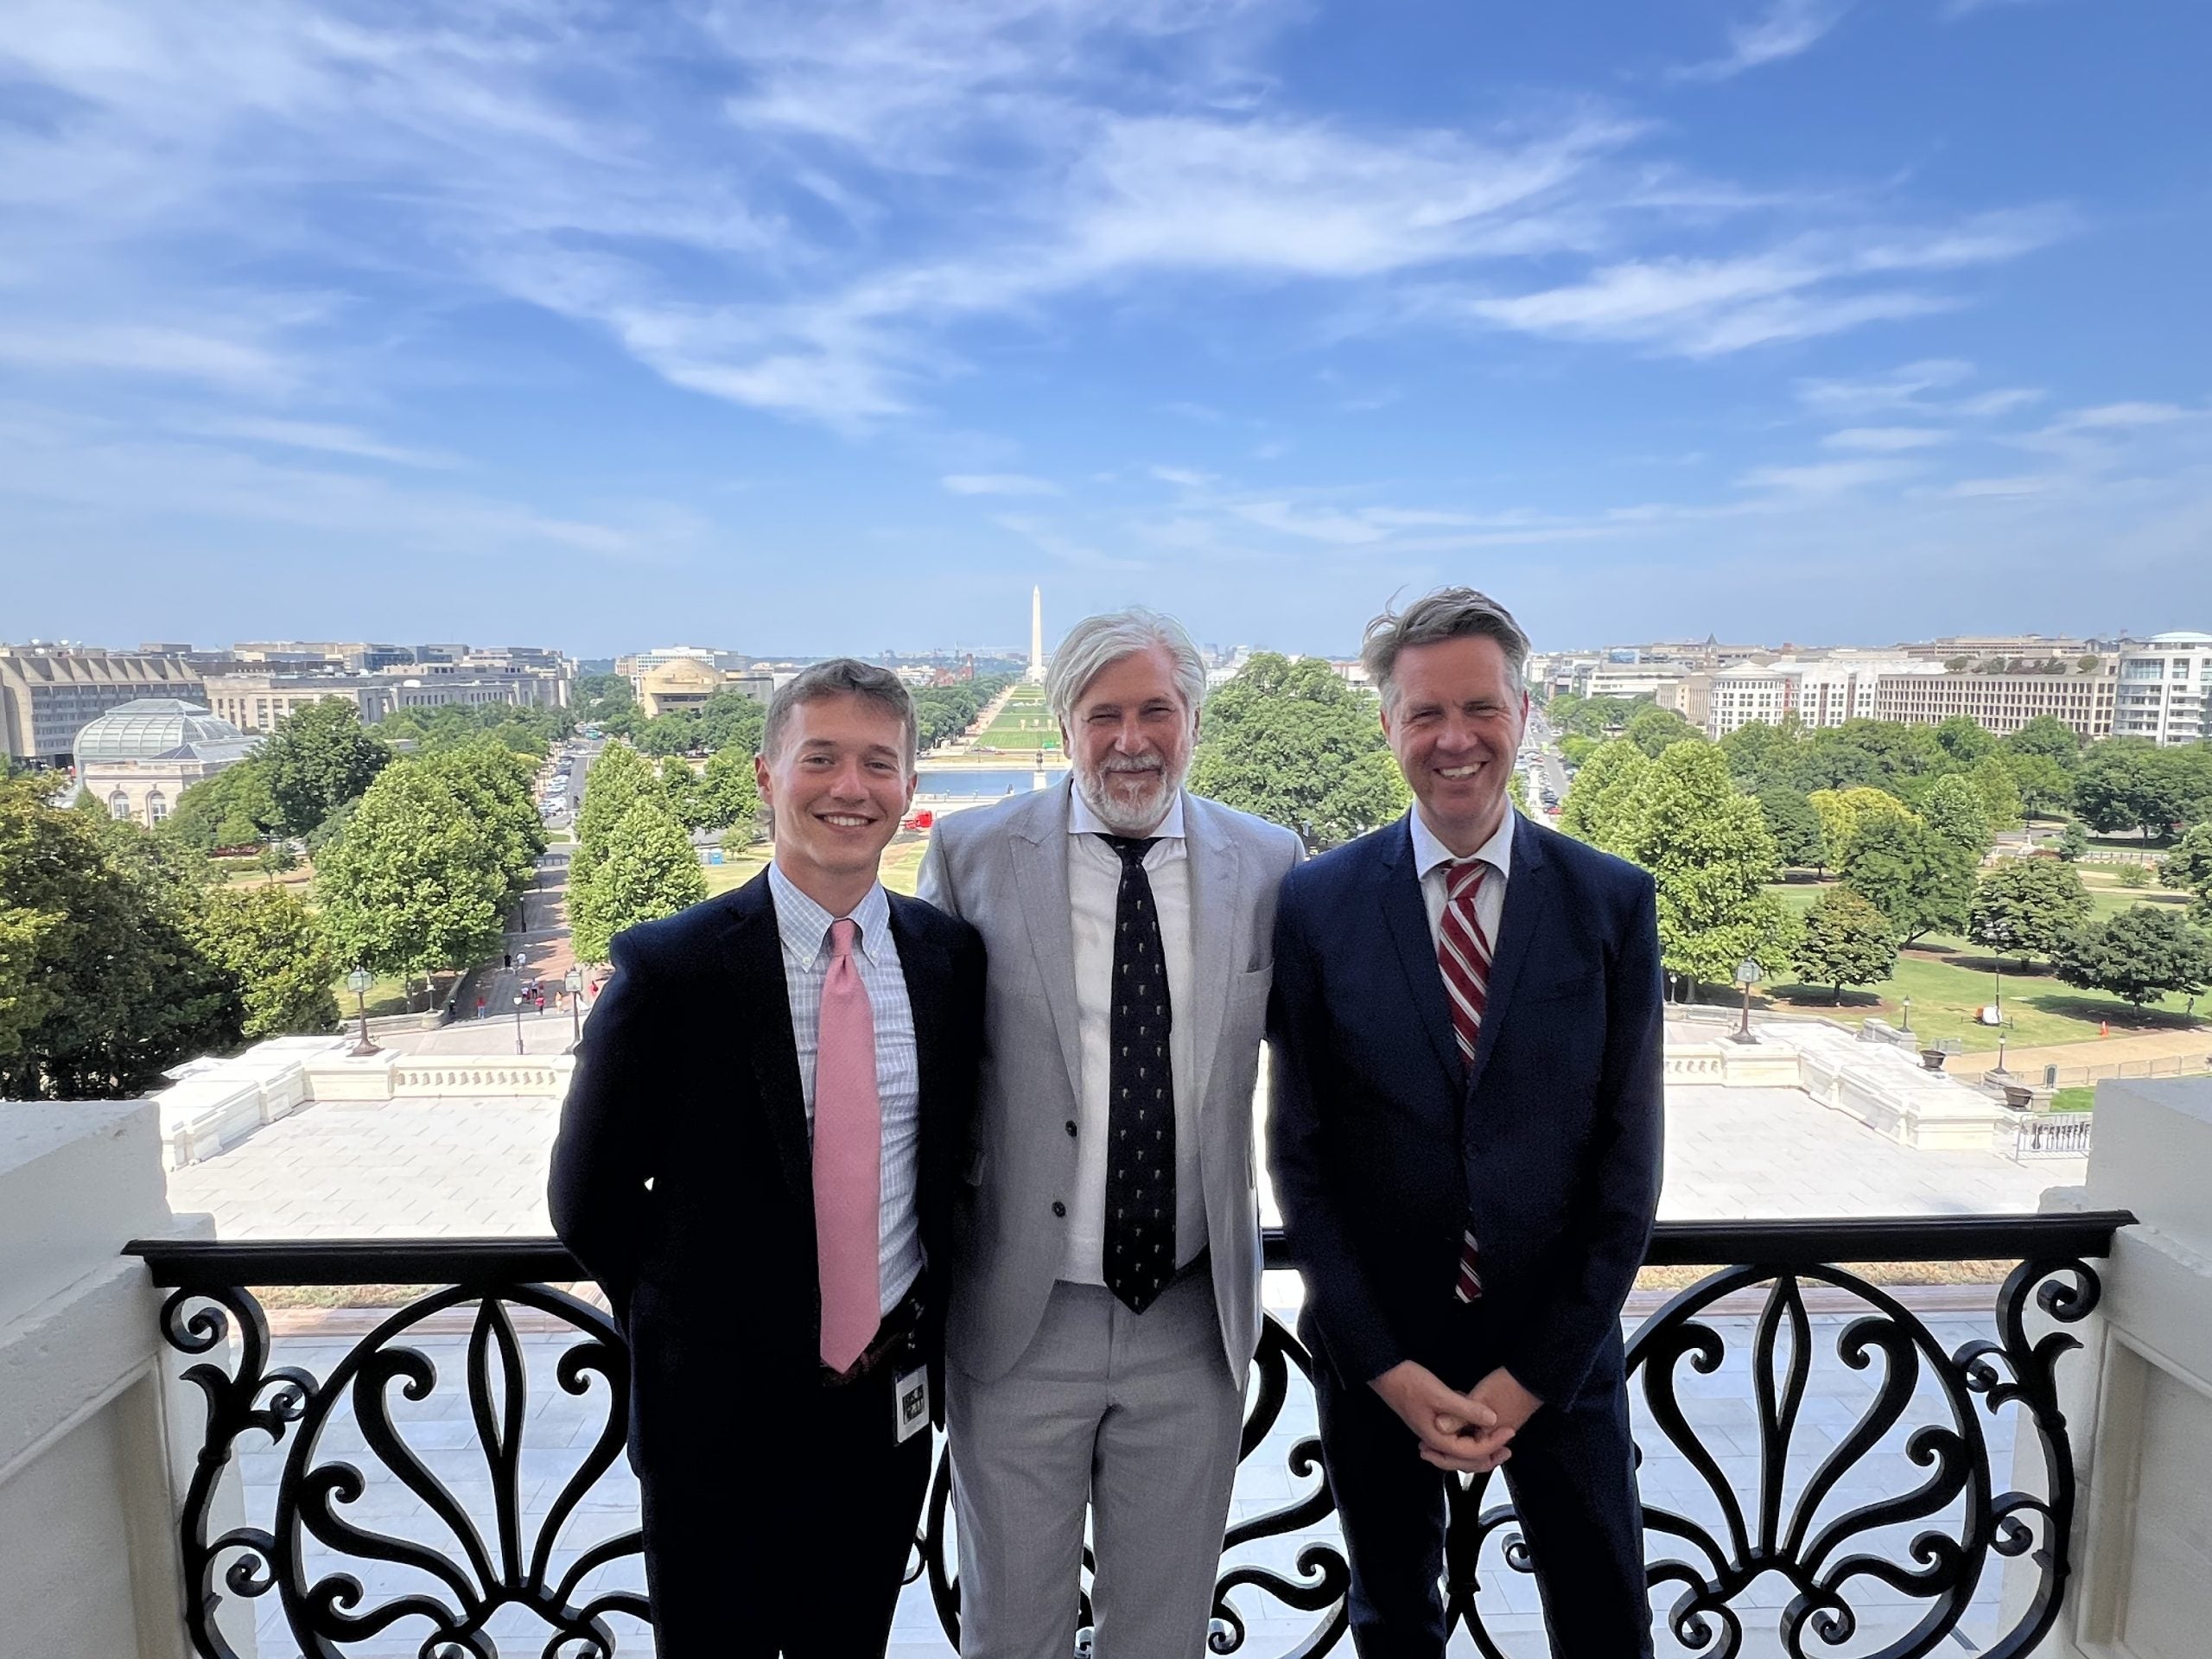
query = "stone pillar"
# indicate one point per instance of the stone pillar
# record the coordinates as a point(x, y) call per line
point(88, 1555)
point(2139, 1399)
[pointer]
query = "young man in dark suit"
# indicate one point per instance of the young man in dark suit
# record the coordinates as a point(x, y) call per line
point(769, 1116)
point(1466, 1138)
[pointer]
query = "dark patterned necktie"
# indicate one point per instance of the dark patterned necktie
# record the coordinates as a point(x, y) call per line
point(1141, 1095)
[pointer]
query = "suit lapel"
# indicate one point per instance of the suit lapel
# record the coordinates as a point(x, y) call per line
point(756, 959)
point(1037, 843)
point(1216, 873)
point(926, 969)
point(1399, 895)
point(1527, 897)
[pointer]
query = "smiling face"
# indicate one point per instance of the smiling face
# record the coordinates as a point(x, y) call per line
point(1455, 725)
point(841, 779)
point(1130, 741)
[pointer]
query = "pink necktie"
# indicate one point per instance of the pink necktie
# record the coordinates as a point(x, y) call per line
point(848, 1159)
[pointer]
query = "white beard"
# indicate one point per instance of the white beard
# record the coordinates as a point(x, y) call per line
point(1118, 813)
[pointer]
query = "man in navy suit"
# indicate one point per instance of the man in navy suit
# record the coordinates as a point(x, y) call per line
point(758, 1159)
point(1465, 1137)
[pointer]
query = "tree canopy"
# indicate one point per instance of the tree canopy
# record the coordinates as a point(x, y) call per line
point(1847, 941)
point(1914, 876)
point(2139, 955)
point(1709, 852)
point(318, 759)
point(1799, 841)
point(643, 866)
point(1953, 808)
point(2026, 906)
point(277, 950)
point(1291, 742)
point(2189, 868)
point(103, 981)
point(1602, 803)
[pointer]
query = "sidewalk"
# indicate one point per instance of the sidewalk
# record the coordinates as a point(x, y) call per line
point(2193, 1044)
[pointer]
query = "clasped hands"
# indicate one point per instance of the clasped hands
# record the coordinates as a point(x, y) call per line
point(1467, 1434)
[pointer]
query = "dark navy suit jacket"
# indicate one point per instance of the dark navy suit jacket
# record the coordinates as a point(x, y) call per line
point(1383, 1145)
point(682, 1179)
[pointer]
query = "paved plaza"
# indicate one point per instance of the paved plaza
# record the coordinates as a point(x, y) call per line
point(457, 1166)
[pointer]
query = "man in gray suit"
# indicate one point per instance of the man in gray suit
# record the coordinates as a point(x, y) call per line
point(1106, 1270)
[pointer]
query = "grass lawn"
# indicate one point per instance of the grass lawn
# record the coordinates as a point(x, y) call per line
point(2074, 1100)
point(1948, 979)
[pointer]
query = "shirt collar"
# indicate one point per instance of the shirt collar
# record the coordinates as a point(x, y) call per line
point(1081, 820)
point(1497, 852)
point(804, 926)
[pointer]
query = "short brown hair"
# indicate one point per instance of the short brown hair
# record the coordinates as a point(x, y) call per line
point(1447, 613)
point(839, 676)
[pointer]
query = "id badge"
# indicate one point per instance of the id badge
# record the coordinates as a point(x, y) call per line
point(911, 1402)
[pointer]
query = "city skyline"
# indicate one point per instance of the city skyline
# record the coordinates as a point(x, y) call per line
point(1726, 316)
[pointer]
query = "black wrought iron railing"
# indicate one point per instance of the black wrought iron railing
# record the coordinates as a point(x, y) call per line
point(1885, 1506)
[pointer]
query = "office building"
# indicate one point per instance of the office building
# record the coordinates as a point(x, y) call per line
point(50, 693)
point(137, 757)
point(2165, 684)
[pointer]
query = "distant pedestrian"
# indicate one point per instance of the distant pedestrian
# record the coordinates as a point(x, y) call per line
point(480, 1007)
point(507, 960)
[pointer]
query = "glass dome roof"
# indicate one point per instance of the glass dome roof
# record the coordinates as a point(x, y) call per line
point(151, 729)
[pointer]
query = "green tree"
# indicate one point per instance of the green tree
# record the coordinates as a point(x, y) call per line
point(234, 808)
point(1993, 781)
point(103, 983)
point(318, 759)
point(2189, 869)
point(495, 784)
point(1964, 740)
point(1844, 812)
point(1763, 757)
point(1847, 941)
point(275, 947)
point(619, 776)
point(2025, 906)
point(414, 886)
point(2073, 841)
point(1709, 852)
point(1799, 840)
point(2139, 955)
point(1952, 808)
point(1603, 799)
point(1575, 749)
point(1914, 876)
point(1655, 730)
point(685, 793)
point(1291, 742)
point(2045, 787)
point(644, 867)
point(733, 791)
point(2125, 783)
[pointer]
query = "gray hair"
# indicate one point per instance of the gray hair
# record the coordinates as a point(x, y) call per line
point(1098, 642)
point(1447, 613)
point(839, 676)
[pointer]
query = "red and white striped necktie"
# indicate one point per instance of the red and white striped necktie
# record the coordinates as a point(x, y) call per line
point(1463, 955)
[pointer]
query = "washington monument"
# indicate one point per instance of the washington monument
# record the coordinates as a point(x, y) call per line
point(1036, 675)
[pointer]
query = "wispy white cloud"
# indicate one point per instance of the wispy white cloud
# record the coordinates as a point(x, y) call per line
point(1908, 391)
point(1826, 478)
point(327, 437)
point(1785, 28)
point(998, 483)
point(1887, 440)
point(1183, 477)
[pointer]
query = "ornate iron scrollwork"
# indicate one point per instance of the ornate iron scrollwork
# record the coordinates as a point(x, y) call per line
point(1777, 1507)
point(472, 1566)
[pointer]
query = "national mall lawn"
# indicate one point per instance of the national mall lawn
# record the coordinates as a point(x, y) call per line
point(1948, 979)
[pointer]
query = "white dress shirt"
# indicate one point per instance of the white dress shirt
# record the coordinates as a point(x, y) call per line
point(1433, 859)
point(805, 927)
point(1094, 893)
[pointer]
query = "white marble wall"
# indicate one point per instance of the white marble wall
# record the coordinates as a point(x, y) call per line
point(2140, 1399)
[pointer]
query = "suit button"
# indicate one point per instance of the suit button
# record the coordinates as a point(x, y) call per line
point(1059, 1208)
point(1071, 1129)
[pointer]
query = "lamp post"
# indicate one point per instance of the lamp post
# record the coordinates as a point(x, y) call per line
point(1907, 1025)
point(518, 1022)
point(574, 979)
point(358, 982)
point(1748, 974)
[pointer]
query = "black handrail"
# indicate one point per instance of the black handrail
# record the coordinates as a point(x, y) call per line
point(178, 1263)
point(1969, 1514)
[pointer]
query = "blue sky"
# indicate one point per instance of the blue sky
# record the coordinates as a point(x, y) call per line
point(808, 328)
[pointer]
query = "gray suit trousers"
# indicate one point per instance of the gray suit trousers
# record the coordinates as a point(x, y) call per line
point(1136, 1412)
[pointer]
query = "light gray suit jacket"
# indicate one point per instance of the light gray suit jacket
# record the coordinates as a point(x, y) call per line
point(1004, 869)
